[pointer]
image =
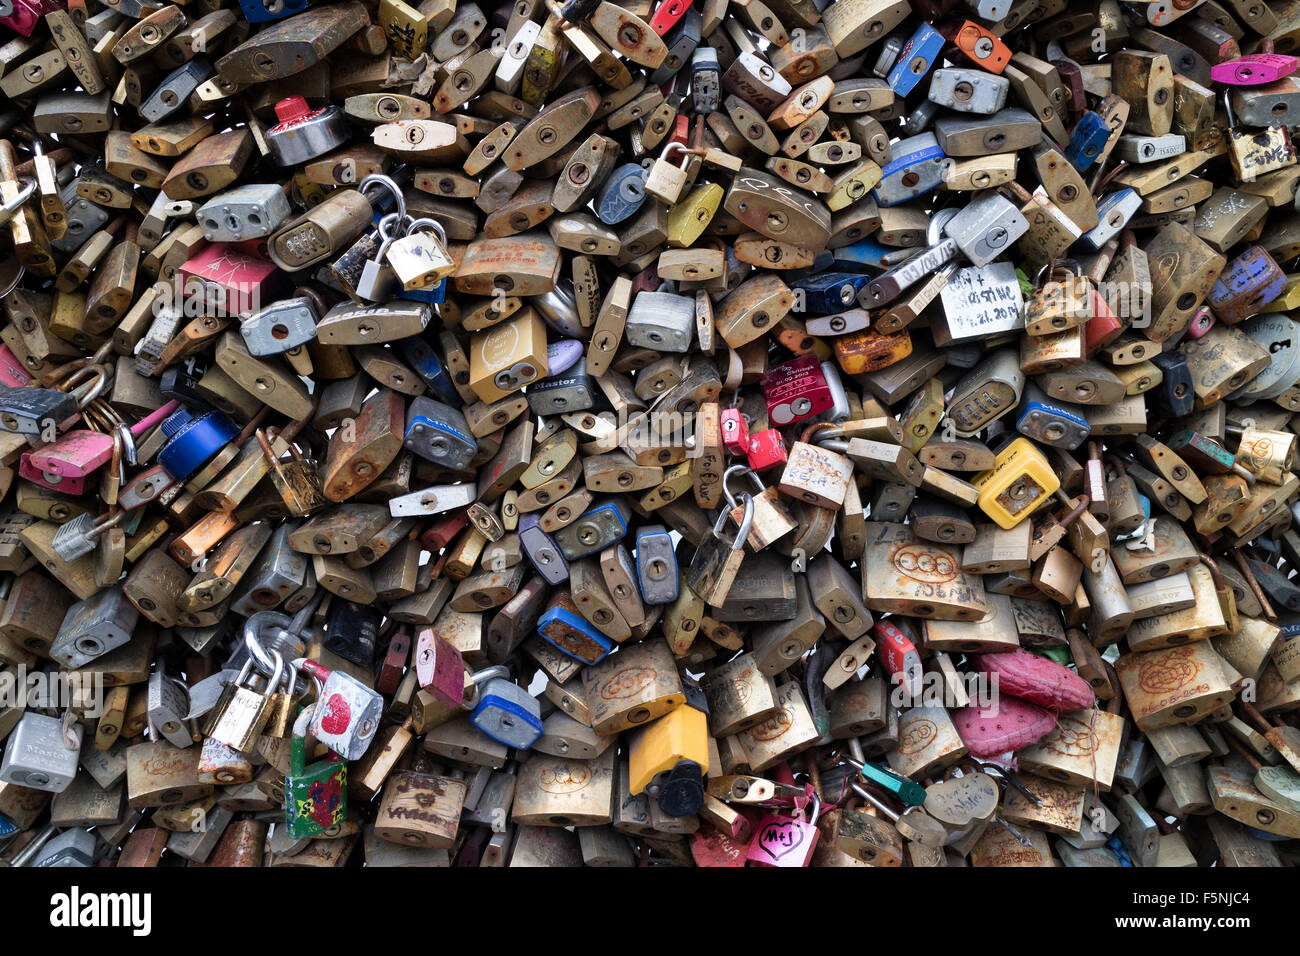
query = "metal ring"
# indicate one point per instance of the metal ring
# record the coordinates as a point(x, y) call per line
point(22, 271)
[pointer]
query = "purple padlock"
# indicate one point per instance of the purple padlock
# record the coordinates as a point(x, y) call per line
point(563, 355)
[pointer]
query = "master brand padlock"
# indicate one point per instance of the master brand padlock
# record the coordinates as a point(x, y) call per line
point(41, 753)
point(439, 433)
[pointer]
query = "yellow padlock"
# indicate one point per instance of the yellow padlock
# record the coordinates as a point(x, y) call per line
point(1020, 480)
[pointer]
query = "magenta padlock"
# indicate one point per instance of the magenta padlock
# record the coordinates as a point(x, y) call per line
point(1201, 323)
point(26, 14)
point(78, 453)
point(1254, 69)
point(68, 485)
point(230, 280)
point(12, 372)
point(786, 841)
point(795, 390)
point(440, 668)
point(347, 712)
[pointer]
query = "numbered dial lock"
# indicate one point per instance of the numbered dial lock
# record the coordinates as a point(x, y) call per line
point(304, 133)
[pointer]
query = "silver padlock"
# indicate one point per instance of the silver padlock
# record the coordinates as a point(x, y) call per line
point(378, 281)
point(246, 212)
point(662, 321)
point(432, 501)
point(987, 228)
point(174, 91)
point(1150, 149)
point(40, 753)
point(1114, 210)
point(85, 218)
point(542, 550)
point(656, 565)
point(93, 627)
point(71, 848)
point(439, 433)
point(279, 327)
point(168, 702)
point(78, 536)
point(969, 91)
point(510, 71)
point(278, 572)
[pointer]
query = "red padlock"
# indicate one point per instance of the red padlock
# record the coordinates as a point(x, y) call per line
point(1201, 323)
point(767, 450)
point(735, 432)
point(390, 671)
point(796, 389)
point(899, 655)
point(667, 15)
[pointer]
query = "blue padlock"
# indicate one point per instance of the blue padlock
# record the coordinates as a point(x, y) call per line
point(864, 252)
point(829, 292)
point(919, 54)
point(1174, 395)
point(572, 634)
point(917, 166)
point(434, 295)
point(1049, 422)
point(422, 357)
point(193, 441)
point(505, 711)
point(261, 11)
point(1087, 141)
point(1114, 210)
point(622, 194)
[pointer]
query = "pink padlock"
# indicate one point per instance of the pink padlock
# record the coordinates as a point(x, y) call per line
point(786, 841)
point(67, 485)
point(12, 372)
point(78, 453)
point(440, 668)
point(226, 280)
point(1255, 69)
point(1201, 323)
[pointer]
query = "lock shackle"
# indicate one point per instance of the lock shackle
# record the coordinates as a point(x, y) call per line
point(277, 674)
point(303, 720)
point(816, 811)
point(746, 522)
point(807, 435)
point(433, 224)
point(740, 470)
point(386, 222)
point(940, 219)
point(384, 182)
point(674, 146)
point(1213, 567)
point(1050, 270)
point(23, 196)
point(487, 673)
point(130, 451)
point(1227, 108)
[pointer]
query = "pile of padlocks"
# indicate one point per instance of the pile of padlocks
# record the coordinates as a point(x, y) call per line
point(617, 432)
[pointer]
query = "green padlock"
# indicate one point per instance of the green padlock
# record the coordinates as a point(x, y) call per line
point(315, 797)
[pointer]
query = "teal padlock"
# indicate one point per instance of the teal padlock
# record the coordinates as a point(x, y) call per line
point(315, 797)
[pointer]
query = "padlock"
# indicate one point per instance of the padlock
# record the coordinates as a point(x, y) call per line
point(315, 795)
point(239, 716)
point(505, 711)
point(347, 714)
point(439, 433)
point(41, 753)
